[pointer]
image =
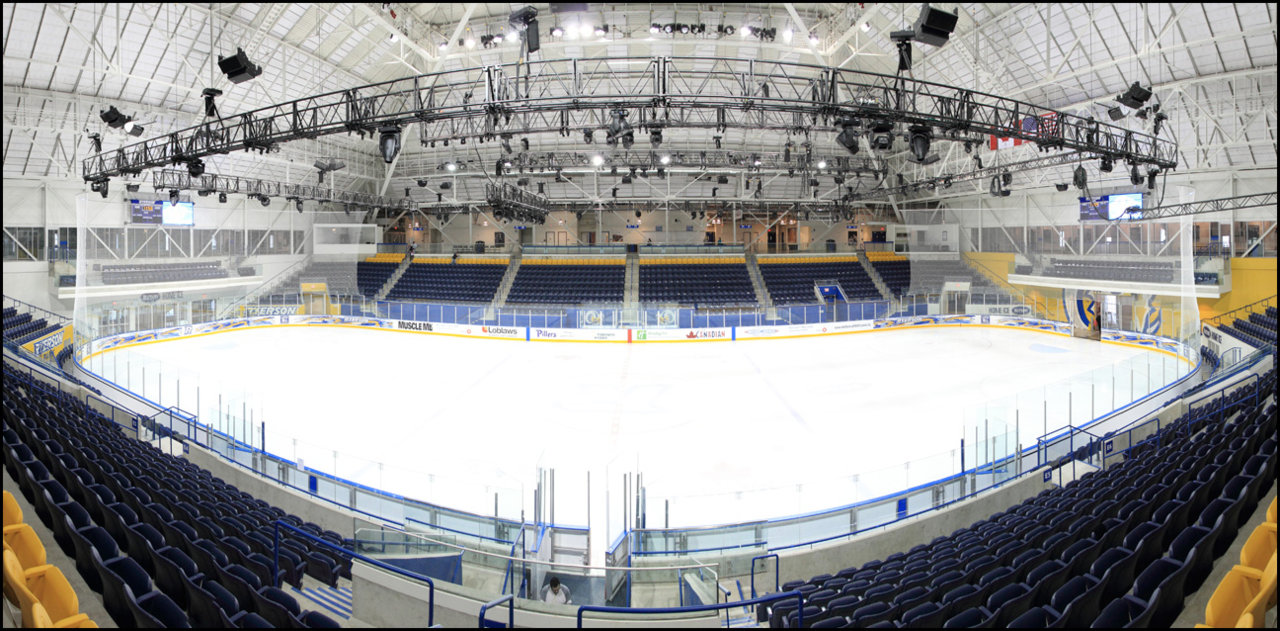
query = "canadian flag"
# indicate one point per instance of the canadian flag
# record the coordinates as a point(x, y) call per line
point(1004, 143)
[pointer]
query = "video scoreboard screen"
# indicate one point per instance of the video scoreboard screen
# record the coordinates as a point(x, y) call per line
point(145, 212)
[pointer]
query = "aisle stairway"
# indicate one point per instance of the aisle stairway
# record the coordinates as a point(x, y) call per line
point(508, 279)
point(395, 278)
point(871, 272)
point(757, 281)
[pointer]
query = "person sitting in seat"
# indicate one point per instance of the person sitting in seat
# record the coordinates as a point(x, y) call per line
point(553, 592)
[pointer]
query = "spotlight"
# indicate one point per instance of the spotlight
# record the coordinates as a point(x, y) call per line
point(1135, 177)
point(556, 31)
point(746, 30)
point(684, 29)
point(786, 35)
point(665, 159)
point(264, 200)
point(132, 188)
point(1151, 181)
point(601, 30)
point(848, 138)
point(100, 187)
point(637, 212)
point(113, 118)
point(195, 167)
point(786, 152)
point(1160, 119)
point(866, 26)
point(422, 183)
point(1107, 164)
point(813, 39)
point(469, 42)
point(238, 68)
point(668, 28)
point(450, 166)
point(934, 26)
point(1115, 113)
point(524, 144)
point(298, 205)
point(822, 164)
point(133, 129)
point(1062, 187)
point(222, 198)
point(587, 136)
point(444, 186)
point(1134, 97)
point(655, 137)
point(1006, 178)
point(968, 147)
point(597, 160)
point(173, 195)
point(389, 142)
point(1080, 178)
point(211, 108)
point(654, 28)
point(946, 183)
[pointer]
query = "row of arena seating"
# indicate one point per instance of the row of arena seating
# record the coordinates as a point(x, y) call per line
point(1119, 547)
point(792, 282)
point(1132, 271)
point(372, 275)
point(1206, 278)
point(698, 284)
point(40, 590)
point(568, 284)
point(1248, 591)
point(1258, 330)
point(339, 276)
point(165, 542)
point(928, 276)
point(20, 328)
point(447, 283)
point(161, 272)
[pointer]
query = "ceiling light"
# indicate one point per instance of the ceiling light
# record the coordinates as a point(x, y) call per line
point(497, 39)
point(1135, 96)
point(600, 31)
point(195, 167)
point(238, 68)
point(587, 136)
point(389, 142)
point(921, 138)
point(470, 42)
point(684, 29)
point(665, 159)
point(113, 118)
point(556, 31)
point(173, 195)
point(746, 30)
point(866, 26)
point(586, 30)
point(786, 35)
point(654, 28)
point(668, 28)
point(264, 200)
point(822, 164)
point(813, 39)
point(133, 129)
point(393, 37)
point(222, 198)
point(444, 45)
point(597, 160)
point(655, 137)
point(449, 166)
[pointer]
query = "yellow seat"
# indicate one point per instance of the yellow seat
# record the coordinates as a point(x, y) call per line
point(1271, 510)
point(25, 544)
point(1259, 547)
point(1231, 599)
point(12, 512)
point(1264, 578)
point(50, 589)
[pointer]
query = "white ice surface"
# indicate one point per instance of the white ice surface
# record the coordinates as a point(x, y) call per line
point(725, 431)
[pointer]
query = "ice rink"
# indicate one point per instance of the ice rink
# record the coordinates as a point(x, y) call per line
point(721, 431)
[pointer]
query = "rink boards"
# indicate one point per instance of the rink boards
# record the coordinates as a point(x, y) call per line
point(629, 335)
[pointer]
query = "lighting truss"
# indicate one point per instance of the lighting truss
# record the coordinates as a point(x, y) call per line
point(555, 96)
point(516, 203)
point(182, 180)
point(1207, 206)
point(976, 174)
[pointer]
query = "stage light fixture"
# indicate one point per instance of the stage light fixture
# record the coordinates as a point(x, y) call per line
point(210, 107)
point(1135, 96)
point(934, 26)
point(298, 204)
point(132, 188)
point(587, 136)
point(668, 28)
point(113, 118)
point(813, 39)
point(1115, 113)
point(665, 159)
point(1151, 180)
point(389, 142)
point(133, 129)
point(1080, 177)
point(264, 200)
point(173, 195)
point(654, 28)
point(238, 68)
point(597, 160)
point(921, 138)
point(1106, 164)
point(222, 198)
point(786, 36)
point(450, 166)
point(601, 31)
point(100, 187)
point(444, 186)
point(848, 138)
point(655, 137)
point(1006, 178)
point(822, 164)
point(1135, 177)
point(195, 167)
point(422, 183)
point(556, 31)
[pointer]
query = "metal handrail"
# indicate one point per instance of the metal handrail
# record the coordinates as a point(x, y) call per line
point(716, 607)
point(777, 571)
point(275, 562)
point(1217, 320)
point(510, 599)
point(244, 300)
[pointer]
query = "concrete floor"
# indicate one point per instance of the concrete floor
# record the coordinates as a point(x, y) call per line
point(90, 601)
point(1193, 606)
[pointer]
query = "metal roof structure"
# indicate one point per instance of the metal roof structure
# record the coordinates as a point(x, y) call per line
point(1211, 66)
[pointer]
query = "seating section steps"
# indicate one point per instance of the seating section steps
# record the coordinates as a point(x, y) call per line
point(161, 272)
point(1120, 546)
point(894, 270)
point(696, 281)
point(792, 282)
point(540, 281)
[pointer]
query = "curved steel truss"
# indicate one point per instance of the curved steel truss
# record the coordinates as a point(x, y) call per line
point(568, 96)
point(210, 183)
